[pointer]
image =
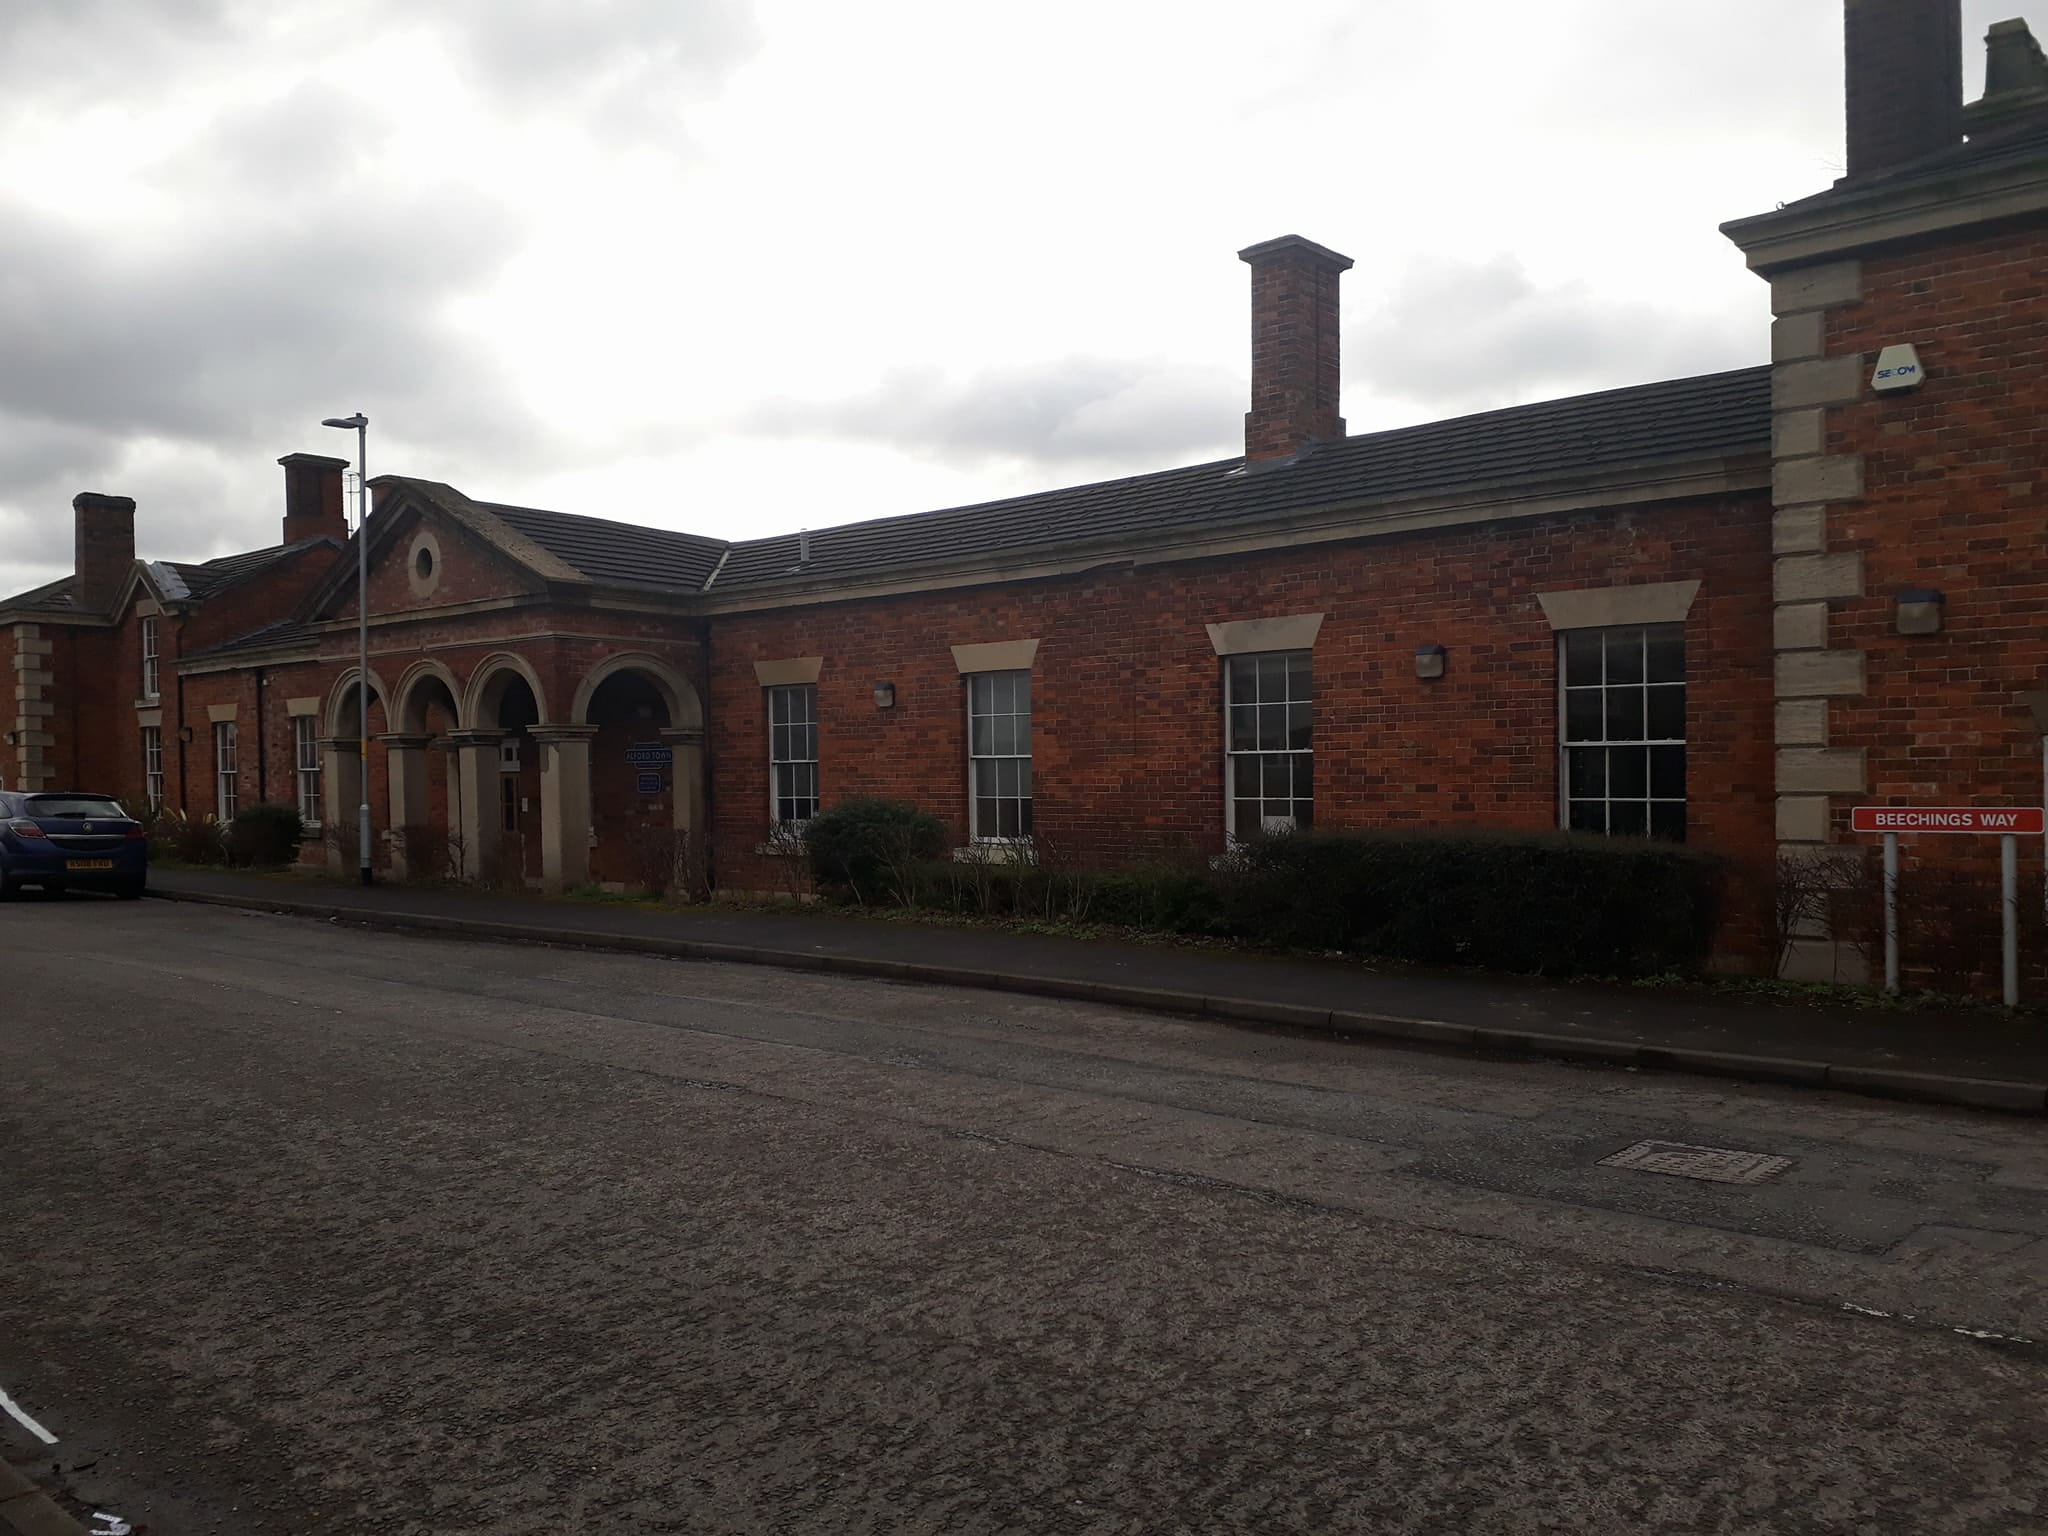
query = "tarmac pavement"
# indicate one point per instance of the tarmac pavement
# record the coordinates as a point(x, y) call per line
point(307, 1228)
point(1983, 1056)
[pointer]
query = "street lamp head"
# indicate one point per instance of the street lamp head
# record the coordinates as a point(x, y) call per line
point(352, 423)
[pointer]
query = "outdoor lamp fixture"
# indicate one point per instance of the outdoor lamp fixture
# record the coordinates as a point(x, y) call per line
point(885, 695)
point(1918, 611)
point(360, 424)
point(185, 734)
point(1429, 661)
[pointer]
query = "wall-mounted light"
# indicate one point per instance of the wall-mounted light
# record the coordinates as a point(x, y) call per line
point(1918, 611)
point(9, 738)
point(885, 695)
point(1429, 660)
point(185, 733)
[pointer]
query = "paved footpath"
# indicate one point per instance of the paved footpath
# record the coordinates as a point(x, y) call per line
point(1980, 1057)
point(305, 1228)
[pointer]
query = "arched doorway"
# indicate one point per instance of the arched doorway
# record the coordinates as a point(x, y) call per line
point(631, 786)
point(645, 726)
point(501, 781)
point(343, 768)
point(426, 782)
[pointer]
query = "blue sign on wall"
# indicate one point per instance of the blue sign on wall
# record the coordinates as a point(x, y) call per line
point(649, 754)
point(650, 783)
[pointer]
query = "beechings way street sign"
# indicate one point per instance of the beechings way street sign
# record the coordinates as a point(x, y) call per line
point(1991, 820)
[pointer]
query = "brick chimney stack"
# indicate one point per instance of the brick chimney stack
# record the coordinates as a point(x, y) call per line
point(104, 553)
point(1905, 80)
point(313, 497)
point(1294, 346)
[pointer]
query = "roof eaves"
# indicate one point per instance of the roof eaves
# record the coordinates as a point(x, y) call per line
point(1950, 192)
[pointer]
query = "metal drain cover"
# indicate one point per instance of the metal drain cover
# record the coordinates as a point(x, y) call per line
point(1717, 1165)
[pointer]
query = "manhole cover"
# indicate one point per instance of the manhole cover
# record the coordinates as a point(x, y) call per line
point(1717, 1165)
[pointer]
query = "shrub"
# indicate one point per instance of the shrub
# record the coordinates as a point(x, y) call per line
point(426, 851)
point(870, 848)
point(190, 839)
point(664, 863)
point(266, 835)
point(1552, 903)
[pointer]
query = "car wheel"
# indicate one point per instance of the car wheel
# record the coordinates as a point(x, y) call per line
point(131, 890)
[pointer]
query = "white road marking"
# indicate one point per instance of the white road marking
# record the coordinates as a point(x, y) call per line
point(1908, 1317)
point(25, 1421)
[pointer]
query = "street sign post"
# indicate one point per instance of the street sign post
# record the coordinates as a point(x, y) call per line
point(2005, 822)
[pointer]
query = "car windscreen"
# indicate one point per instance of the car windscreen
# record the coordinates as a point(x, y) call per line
point(68, 807)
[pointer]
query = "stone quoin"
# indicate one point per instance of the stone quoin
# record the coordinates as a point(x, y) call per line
point(1726, 609)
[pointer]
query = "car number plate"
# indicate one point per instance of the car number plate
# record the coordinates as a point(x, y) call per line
point(81, 864)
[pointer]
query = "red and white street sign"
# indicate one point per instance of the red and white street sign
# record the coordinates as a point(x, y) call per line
point(1994, 820)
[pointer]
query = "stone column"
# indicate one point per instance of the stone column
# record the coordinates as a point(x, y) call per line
point(35, 742)
point(564, 803)
point(476, 768)
point(1809, 576)
point(406, 762)
point(341, 792)
point(686, 794)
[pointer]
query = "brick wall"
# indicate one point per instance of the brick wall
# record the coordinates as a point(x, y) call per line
point(1127, 689)
point(1954, 475)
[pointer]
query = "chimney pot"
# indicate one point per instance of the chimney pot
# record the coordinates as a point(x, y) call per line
point(2015, 78)
point(104, 550)
point(1904, 67)
point(1295, 378)
point(313, 497)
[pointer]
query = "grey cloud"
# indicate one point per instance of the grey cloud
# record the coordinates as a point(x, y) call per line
point(539, 45)
point(223, 340)
point(635, 61)
point(1457, 336)
point(98, 50)
point(1082, 410)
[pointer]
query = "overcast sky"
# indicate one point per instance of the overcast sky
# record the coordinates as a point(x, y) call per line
point(740, 266)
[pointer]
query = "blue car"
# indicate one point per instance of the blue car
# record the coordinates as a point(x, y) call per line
point(70, 841)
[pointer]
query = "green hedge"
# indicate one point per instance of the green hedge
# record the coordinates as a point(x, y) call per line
point(869, 848)
point(1556, 903)
point(266, 835)
point(1553, 904)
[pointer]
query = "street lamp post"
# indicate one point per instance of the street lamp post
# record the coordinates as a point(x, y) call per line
point(361, 425)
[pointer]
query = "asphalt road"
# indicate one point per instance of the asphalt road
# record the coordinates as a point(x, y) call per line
point(304, 1229)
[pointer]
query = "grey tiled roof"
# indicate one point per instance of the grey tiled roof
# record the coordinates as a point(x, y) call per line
point(1715, 416)
point(283, 632)
point(201, 581)
point(616, 553)
point(54, 597)
point(1556, 443)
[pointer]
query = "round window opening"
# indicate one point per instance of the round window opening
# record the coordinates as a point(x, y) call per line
point(423, 564)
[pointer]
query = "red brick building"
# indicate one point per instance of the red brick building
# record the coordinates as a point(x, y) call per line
point(1722, 608)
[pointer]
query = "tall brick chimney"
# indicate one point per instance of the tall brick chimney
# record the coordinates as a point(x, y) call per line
point(104, 553)
point(1294, 346)
point(312, 497)
point(1905, 80)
